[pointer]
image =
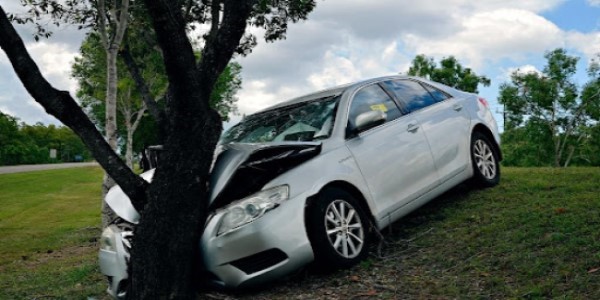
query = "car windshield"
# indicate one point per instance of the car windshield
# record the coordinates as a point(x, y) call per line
point(306, 121)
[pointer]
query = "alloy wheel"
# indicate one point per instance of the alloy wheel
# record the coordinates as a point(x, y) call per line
point(484, 159)
point(344, 229)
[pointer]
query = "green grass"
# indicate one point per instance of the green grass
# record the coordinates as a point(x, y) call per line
point(535, 236)
point(49, 222)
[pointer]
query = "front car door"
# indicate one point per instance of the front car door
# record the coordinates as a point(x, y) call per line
point(394, 158)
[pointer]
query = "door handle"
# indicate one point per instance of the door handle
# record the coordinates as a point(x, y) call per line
point(412, 127)
point(457, 107)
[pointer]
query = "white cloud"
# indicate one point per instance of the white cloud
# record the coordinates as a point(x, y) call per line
point(260, 94)
point(336, 71)
point(525, 69)
point(54, 61)
point(491, 36)
point(593, 2)
point(588, 43)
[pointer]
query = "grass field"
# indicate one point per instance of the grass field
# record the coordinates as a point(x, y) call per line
point(536, 235)
point(49, 222)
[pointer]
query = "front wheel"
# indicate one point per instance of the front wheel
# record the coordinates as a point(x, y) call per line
point(338, 229)
point(484, 156)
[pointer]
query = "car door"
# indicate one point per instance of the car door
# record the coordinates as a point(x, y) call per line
point(444, 121)
point(394, 158)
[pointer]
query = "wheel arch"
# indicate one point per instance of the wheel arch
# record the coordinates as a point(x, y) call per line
point(350, 188)
point(488, 133)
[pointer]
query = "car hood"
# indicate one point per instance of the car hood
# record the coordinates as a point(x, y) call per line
point(239, 170)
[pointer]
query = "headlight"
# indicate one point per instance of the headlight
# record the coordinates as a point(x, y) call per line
point(251, 208)
point(108, 239)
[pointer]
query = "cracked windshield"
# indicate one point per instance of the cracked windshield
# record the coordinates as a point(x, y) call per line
point(306, 121)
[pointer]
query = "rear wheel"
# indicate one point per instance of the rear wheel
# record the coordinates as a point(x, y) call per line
point(486, 169)
point(338, 229)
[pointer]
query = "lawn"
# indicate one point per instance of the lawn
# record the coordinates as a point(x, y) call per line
point(536, 235)
point(49, 222)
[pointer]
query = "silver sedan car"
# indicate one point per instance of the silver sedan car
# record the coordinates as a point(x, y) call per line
point(310, 179)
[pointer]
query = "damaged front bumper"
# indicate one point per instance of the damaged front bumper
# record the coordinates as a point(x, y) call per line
point(114, 258)
point(263, 250)
point(266, 249)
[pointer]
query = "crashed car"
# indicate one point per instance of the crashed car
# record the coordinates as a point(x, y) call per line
point(312, 178)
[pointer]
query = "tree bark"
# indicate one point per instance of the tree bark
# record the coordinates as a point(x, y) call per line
point(111, 46)
point(110, 127)
point(130, 127)
point(171, 225)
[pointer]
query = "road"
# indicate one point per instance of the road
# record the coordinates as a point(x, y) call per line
point(28, 168)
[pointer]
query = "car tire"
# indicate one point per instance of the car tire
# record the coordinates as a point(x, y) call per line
point(485, 161)
point(338, 229)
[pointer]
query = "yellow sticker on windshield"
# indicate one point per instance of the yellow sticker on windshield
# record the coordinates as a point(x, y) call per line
point(380, 107)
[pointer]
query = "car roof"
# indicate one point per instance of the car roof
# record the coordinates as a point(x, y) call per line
point(333, 91)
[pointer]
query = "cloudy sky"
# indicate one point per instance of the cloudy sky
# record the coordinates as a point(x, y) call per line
point(345, 41)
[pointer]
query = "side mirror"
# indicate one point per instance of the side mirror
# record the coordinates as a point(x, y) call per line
point(368, 120)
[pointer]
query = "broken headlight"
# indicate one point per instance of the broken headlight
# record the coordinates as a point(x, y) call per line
point(251, 208)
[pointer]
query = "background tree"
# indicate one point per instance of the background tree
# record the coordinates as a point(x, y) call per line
point(110, 20)
point(548, 105)
point(450, 72)
point(14, 147)
point(31, 144)
point(173, 206)
point(89, 70)
point(90, 73)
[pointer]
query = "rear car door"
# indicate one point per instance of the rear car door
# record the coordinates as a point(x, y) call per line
point(444, 121)
point(394, 158)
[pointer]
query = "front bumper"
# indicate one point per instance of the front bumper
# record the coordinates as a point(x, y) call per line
point(266, 249)
point(113, 264)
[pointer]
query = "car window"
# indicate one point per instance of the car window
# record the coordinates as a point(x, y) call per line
point(412, 93)
point(372, 98)
point(437, 94)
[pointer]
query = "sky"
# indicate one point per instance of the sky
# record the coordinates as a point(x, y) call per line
point(344, 41)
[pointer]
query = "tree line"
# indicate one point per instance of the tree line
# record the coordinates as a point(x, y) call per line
point(21, 143)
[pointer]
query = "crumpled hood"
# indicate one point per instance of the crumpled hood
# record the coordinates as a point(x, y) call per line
point(239, 170)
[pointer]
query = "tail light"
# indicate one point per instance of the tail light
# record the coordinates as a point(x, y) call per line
point(484, 102)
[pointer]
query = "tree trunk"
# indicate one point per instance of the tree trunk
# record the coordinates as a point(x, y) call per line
point(165, 243)
point(110, 125)
point(111, 45)
point(172, 222)
point(131, 128)
point(129, 147)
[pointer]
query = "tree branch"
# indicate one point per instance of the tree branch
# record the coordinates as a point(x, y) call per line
point(102, 23)
point(61, 105)
point(141, 86)
point(122, 22)
point(215, 13)
point(218, 51)
point(177, 52)
point(139, 114)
